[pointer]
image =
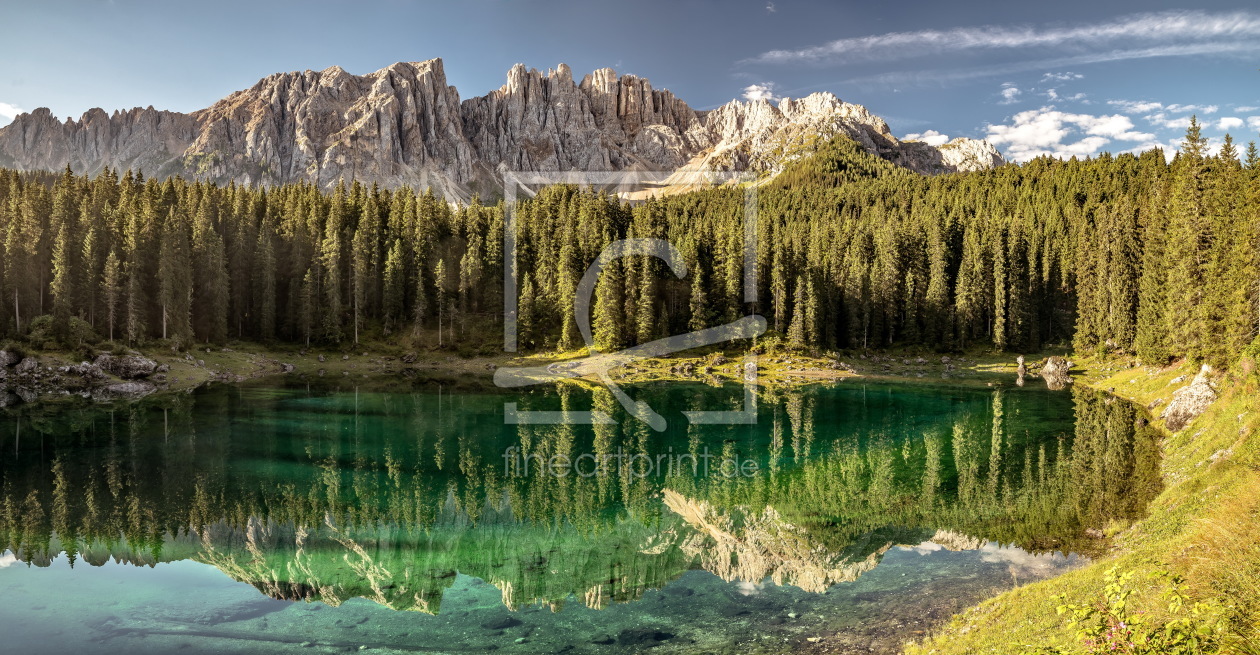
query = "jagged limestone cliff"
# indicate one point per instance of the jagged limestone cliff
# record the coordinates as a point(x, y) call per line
point(404, 125)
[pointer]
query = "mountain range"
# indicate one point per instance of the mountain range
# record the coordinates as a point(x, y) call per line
point(404, 125)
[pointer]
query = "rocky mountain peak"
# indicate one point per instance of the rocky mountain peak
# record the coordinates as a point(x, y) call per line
point(404, 125)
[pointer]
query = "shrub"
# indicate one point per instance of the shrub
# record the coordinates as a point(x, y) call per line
point(1111, 625)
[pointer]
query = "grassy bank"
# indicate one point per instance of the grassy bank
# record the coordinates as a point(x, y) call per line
point(1203, 528)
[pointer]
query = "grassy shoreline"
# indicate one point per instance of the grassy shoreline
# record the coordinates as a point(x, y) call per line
point(1203, 527)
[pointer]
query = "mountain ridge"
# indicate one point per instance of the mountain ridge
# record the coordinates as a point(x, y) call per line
point(405, 125)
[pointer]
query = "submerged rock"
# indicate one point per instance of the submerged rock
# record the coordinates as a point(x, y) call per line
point(501, 623)
point(647, 637)
point(1190, 401)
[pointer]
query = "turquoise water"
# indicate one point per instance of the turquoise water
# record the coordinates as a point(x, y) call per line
point(265, 517)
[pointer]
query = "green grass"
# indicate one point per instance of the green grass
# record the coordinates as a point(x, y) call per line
point(1203, 527)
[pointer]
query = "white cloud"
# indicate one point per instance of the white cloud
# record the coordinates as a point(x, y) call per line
point(924, 549)
point(763, 91)
point(1198, 109)
point(1053, 96)
point(930, 137)
point(1162, 120)
point(1061, 77)
point(1135, 106)
point(1229, 123)
point(934, 77)
point(1172, 27)
point(1010, 94)
point(8, 112)
point(1020, 561)
point(1047, 131)
point(1245, 109)
point(1253, 122)
point(770, 9)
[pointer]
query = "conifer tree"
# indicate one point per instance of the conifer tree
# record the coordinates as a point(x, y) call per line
point(525, 317)
point(265, 284)
point(175, 280)
point(439, 295)
point(796, 328)
point(395, 285)
point(701, 310)
point(111, 290)
point(62, 286)
point(606, 325)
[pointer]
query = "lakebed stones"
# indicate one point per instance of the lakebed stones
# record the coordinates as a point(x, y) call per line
point(1190, 401)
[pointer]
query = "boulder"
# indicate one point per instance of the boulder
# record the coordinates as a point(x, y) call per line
point(1057, 372)
point(1190, 401)
point(28, 365)
point(8, 359)
point(87, 371)
point(127, 367)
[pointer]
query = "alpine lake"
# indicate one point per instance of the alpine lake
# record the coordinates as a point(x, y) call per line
point(277, 516)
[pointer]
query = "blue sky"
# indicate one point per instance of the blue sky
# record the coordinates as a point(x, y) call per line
point(1067, 77)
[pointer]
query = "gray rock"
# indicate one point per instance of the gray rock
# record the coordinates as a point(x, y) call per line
point(287, 368)
point(127, 367)
point(1190, 401)
point(28, 365)
point(87, 371)
point(405, 125)
point(7, 359)
point(1057, 372)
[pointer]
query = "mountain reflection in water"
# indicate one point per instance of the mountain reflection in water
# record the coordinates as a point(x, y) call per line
point(333, 494)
